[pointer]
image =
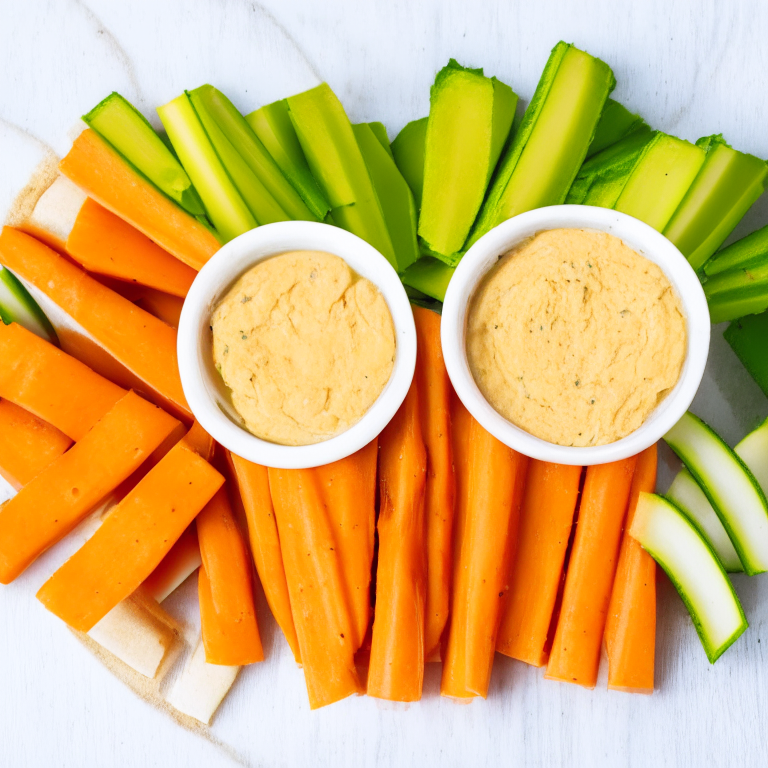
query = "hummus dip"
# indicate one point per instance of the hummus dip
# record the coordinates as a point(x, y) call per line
point(305, 346)
point(575, 338)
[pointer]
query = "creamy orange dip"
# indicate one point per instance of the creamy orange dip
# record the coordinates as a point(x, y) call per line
point(305, 346)
point(575, 337)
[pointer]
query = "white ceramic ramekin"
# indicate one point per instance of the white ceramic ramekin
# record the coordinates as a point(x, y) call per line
point(643, 239)
point(203, 386)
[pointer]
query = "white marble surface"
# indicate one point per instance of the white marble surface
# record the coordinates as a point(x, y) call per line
point(691, 68)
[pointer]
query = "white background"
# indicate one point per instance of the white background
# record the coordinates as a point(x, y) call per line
point(691, 68)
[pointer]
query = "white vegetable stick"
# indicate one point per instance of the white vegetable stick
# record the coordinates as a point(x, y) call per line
point(55, 212)
point(202, 686)
point(139, 634)
point(188, 562)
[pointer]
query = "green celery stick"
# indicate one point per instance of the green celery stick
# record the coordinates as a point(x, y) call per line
point(131, 134)
point(727, 186)
point(419, 299)
point(748, 338)
point(430, 276)
point(750, 251)
point(470, 117)
point(380, 132)
point(234, 126)
point(602, 178)
point(408, 150)
point(551, 143)
point(272, 125)
point(660, 180)
point(225, 207)
point(335, 159)
point(736, 293)
point(616, 123)
point(394, 195)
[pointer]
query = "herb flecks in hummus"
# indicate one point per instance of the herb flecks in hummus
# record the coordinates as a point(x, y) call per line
point(304, 345)
point(575, 337)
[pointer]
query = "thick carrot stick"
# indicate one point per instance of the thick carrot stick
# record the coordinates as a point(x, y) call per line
point(321, 612)
point(575, 654)
point(348, 487)
point(485, 544)
point(396, 670)
point(182, 560)
point(630, 631)
point(47, 382)
point(546, 518)
point(434, 400)
point(100, 172)
point(140, 342)
point(27, 444)
point(50, 506)
point(106, 245)
point(132, 540)
point(227, 610)
point(253, 484)
point(162, 305)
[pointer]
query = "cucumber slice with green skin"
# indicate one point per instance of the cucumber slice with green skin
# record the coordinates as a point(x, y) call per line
point(272, 124)
point(224, 205)
point(394, 195)
point(750, 251)
point(251, 152)
point(429, 276)
point(736, 293)
point(753, 451)
point(748, 338)
point(730, 487)
point(686, 494)
point(131, 134)
point(17, 306)
point(677, 546)
point(725, 189)
point(408, 150)
point(616, 123)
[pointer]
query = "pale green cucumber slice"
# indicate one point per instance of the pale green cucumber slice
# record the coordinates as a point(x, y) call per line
point(677, 546)
point(753, 451)
point(730, 487)
point(17, 306)
point(686, 494)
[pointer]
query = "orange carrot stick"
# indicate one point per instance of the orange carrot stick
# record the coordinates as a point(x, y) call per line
point(396, 670)
point(162, 305)
point(486, 538)
point(105, 244)
point(546, 518)
point(27, 444)
point(47, 382)
point(434, 406)
point(630, 631)
point(50, 506)
point(227, 610)
point(321, 612)
point(348, 487)
point(575, 654)
point(144, 345)
point(253, 484)
point(182, 560)
point(132, 540)
point(100, 172)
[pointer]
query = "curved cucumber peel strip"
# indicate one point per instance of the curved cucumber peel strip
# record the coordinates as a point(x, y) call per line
point(17, 306)
point(131, 134)
point(225, 207)
point(408, 149)
point(746, 337)
point(272, 124)
point(730, 487)
point(728, 184)
point(686, 494)
point(753, 451)
point(678, 547)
